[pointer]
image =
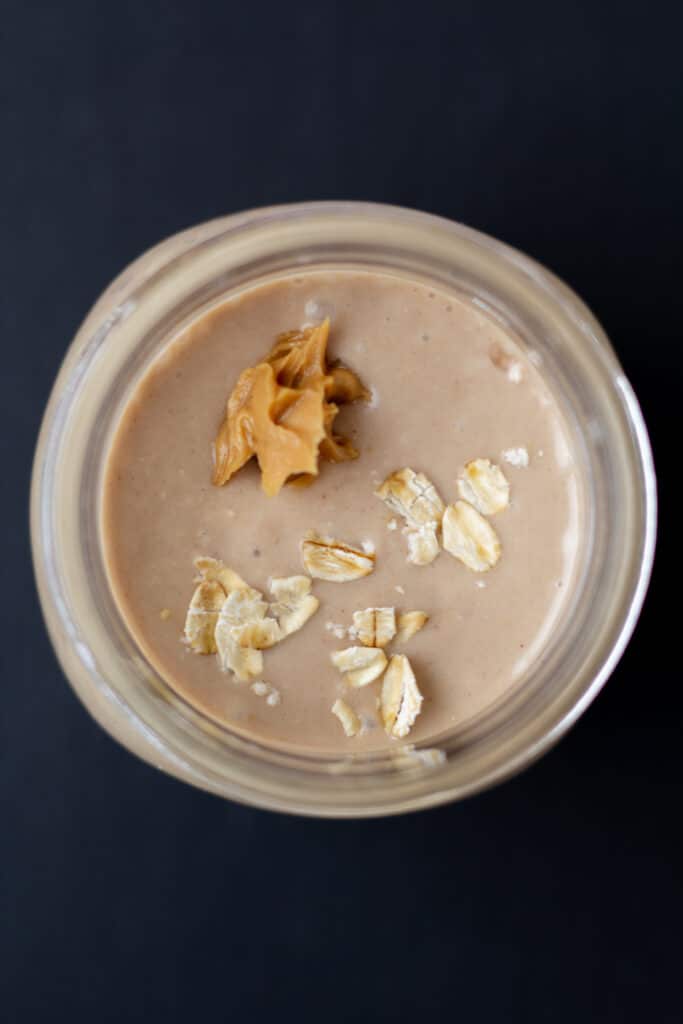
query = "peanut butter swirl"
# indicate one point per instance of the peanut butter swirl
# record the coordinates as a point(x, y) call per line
point(283, 409)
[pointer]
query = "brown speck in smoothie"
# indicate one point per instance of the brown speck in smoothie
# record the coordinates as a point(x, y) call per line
point(501, 359)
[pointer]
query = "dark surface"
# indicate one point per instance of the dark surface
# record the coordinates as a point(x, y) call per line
point(127, 896)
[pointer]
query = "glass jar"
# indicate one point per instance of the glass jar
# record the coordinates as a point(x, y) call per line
point(177, 281)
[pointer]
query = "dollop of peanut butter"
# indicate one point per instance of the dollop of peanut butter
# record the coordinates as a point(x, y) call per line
point(283, 409)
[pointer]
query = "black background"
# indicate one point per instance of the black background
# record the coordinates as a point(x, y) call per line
point(127, 896)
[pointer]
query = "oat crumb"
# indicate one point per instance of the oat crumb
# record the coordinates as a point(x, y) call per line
point(165, 614)
point(336, 629)
point(350, 722)
point(518, 457)
point(262, 689)
point(430, 758)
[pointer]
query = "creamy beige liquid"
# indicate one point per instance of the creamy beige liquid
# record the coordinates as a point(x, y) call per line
point(440, 400)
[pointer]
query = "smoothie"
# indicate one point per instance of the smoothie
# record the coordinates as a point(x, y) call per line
point(445, 392)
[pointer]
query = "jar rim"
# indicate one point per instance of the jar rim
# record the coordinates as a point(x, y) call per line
point(127, 291)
